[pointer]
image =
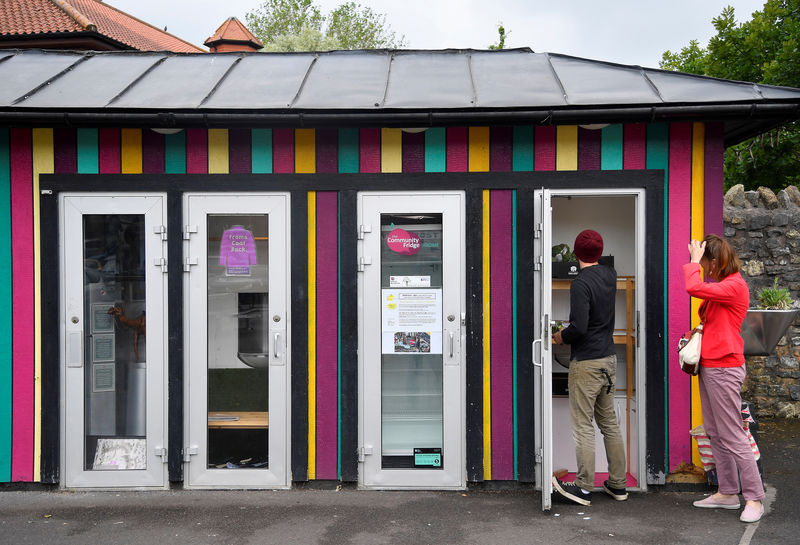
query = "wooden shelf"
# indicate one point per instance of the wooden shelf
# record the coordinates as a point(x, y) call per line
point(238, 420)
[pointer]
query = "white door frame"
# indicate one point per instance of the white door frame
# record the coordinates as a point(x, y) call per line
point(543, 308)
point(451, 204)
point(197, 206)
point(72, 208)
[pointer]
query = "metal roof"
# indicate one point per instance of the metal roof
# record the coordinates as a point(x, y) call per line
point(377, 87)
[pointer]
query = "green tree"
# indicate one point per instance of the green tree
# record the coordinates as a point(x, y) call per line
point(298, 25)
point(765, 49)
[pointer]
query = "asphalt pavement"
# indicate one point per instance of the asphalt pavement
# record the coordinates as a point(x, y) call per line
point(348, 516)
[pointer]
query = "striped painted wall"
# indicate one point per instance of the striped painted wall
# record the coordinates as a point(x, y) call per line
point(690, 155)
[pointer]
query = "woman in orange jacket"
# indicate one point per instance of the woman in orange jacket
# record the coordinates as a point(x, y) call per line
point(722, 373)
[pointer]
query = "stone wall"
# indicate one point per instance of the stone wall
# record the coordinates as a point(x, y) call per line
point(765, 230)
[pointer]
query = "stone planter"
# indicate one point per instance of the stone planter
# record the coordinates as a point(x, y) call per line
point(762, 329)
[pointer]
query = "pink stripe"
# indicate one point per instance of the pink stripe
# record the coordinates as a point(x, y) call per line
point(414, 152)
point(196, 151)
point(589, 146)
point(109, 153)
point(327, 150)
point(239, 151)
point(22, 306)
point(457, 154)
point(327, 335)
point(501, 330)
point(65, 154)
point(634, 149)
point(678, 312)
point(500, 154)
point(369, 156)
point(283, 151)
point(714, 159)
point(152, 152)
point(544, 155)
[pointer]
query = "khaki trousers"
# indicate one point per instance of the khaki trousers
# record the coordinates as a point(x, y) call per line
point(590, 398)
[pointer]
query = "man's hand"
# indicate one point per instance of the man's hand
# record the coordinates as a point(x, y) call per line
point(557, 338)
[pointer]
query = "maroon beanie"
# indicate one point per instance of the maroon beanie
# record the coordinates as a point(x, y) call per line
point(588, 246)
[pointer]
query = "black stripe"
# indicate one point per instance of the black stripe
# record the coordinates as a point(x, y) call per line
point(51, 360)
point(348, 305)
point(299, 305)
point(474, 356)
point(175, 334)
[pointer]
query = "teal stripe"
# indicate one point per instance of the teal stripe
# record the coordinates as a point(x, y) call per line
point(658, 158)
point(514, 318)
point(435, 153)
point(339, 330)
point(522, 149)
point(348, 151)
point(261, 152)
point(88, 154)
point(5, 306)
point(175, 153)
point(611, 148)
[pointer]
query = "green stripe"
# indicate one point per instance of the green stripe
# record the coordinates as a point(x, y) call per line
point(522, 149)
point(175, 153)
point(514, 318)
point(611, 148)
point(348, 151)
point(435, 153)
point(658, 158)
point(261, 151)
point(88, 154)
point(5, 307)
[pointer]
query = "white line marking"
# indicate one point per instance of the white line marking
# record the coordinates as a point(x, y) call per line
point(751, 528)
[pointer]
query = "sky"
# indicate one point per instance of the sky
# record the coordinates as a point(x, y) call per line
point(622, 31)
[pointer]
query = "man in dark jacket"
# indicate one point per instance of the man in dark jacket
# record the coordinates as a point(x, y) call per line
point(592, 372)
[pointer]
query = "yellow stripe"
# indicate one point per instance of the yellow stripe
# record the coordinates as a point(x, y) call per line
point(567, 147)
point(218, 161)
point(478, 149)
point(391, 150)
point(305, 151)
point(43, 163)
point(487, 349)
point(131, 151)
point(698, 232)
point(312, 335)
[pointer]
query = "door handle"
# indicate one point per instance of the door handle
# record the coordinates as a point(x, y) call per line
point(533, 352)
point(275, 348)
point(75, 349)
point(451, 344)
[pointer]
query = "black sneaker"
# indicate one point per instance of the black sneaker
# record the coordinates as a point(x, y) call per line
point(619, 494)
point(572, 492)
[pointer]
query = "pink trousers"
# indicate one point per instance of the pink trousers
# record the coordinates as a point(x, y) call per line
point(720, 394)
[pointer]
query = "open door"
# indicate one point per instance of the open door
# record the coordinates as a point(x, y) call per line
point(542, 347)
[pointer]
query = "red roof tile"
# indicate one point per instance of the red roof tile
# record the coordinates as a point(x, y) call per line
point(43, 17)
point(232, 30)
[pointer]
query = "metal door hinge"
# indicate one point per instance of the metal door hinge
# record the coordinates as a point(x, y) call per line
point(537, 265)
point(363, 452)
point(538, 456)
point(188, 452)
point(363, 262)
point(161, 262)
point(161, 451)
point(363, 229)
point(161, 230)
point(188, 262)
point(188, 230)
point(537, 231)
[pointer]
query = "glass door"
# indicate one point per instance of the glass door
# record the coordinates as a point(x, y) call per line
point(113, 250)
point(412, 261)
point(237, 260)
point(542, 347)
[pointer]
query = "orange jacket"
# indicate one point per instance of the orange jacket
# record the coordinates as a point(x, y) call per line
point(725, 305)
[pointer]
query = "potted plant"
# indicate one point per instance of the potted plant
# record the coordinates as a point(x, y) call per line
point(764, 326)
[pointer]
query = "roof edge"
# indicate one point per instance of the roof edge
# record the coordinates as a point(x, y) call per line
point(75, 15)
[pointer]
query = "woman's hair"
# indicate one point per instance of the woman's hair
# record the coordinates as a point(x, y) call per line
point(727, 260)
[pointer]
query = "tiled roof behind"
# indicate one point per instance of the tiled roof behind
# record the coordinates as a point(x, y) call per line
point(233, 30)
point(26, 17)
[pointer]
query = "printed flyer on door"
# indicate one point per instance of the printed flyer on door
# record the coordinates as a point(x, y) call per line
point(412, 321)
